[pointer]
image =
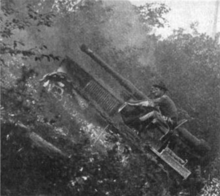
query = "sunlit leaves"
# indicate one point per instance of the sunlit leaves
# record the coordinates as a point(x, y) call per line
point(67, 5)
point(153, 14)
point(212, 188)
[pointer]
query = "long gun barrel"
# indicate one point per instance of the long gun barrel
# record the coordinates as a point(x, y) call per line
point(199, 145)
point(135, 93)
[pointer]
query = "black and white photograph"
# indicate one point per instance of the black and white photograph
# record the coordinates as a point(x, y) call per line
point(110, 97)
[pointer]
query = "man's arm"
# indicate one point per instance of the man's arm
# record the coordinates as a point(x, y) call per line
point(157, 101)
point(141, 103)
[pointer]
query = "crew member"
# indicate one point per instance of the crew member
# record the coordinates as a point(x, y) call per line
point(168, 111)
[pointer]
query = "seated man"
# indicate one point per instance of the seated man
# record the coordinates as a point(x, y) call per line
point(168, 111)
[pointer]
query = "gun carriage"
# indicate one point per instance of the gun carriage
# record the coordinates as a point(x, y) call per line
point(154, 140)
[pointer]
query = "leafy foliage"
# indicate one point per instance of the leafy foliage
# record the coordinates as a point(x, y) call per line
point(190, 66)
point(13, 21)
point(191, 61)
point(153, 14)
point(188, 63)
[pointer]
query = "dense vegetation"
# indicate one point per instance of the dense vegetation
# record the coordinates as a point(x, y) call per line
point(36, 37)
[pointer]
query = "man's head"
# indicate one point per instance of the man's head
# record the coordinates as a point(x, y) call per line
point(159, 89)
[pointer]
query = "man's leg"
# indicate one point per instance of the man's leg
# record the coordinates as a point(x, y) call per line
point(148, 116)
point(155, 116)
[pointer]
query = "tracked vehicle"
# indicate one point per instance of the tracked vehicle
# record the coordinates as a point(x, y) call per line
point(177, 149)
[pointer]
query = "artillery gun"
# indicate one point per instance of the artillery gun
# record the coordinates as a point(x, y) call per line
point(157, 143)
point(133, 93)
